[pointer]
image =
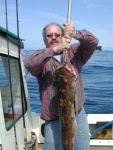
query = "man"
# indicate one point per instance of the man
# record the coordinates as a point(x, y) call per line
point(43, 63)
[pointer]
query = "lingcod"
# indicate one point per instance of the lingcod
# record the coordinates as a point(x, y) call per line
point(65, 78)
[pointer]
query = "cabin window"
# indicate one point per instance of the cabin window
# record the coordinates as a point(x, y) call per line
point(12, 90)
point(3, 77)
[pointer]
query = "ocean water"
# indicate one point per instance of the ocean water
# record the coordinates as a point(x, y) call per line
point(97, 75)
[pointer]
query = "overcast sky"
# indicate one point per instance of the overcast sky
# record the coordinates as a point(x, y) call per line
point(93, 15)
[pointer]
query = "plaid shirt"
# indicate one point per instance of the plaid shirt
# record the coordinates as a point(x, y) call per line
point(42, 65)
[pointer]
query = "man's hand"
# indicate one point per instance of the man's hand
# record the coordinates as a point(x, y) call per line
point(63, 44)
point(70, 30)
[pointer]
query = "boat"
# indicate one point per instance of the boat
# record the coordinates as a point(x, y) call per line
point(19, 126)
point(99, 48)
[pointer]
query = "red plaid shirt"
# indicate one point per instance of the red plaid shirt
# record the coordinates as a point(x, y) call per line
point(42, 65)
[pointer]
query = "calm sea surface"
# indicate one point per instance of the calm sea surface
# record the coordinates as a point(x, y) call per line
point(97, 76)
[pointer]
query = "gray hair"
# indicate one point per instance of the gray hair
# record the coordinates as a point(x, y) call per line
point(52, 23)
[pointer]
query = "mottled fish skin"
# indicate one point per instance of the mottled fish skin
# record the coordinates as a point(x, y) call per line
point(65, 81)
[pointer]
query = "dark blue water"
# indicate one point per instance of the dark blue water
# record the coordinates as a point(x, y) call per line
point(97, 76)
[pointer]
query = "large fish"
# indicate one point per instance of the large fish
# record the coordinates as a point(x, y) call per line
point(65, 81)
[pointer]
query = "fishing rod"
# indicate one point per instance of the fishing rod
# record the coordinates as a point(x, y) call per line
point(21, 79)
point(68, 20)
point(9, 70)
point(69, 10)
point(29, 145)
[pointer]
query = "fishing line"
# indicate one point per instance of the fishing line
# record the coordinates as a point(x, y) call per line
point(9, 70)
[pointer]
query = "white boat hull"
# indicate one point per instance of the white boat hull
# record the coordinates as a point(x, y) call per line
point(93, 119)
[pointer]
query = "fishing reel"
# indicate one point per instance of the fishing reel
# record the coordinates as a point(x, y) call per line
point(31, 145)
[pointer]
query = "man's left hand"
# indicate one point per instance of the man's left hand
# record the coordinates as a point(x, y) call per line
point(70, 30)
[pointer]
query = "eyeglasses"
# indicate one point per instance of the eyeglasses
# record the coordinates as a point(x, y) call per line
point(51, 35)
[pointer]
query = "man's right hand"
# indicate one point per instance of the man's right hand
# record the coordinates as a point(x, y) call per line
point(63, 44)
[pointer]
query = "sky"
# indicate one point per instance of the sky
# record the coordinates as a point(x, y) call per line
point(94, 15)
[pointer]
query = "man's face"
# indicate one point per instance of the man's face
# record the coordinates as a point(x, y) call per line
point(53, 36)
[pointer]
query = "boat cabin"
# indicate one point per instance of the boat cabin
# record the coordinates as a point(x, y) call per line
point(14, 103)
